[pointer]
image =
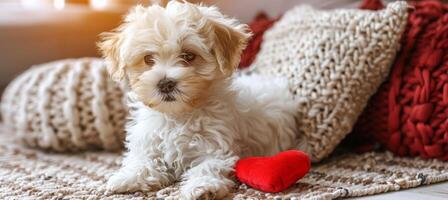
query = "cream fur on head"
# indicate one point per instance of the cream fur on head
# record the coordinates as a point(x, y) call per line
point(191, 118)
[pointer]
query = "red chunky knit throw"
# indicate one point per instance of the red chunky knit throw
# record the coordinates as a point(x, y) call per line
point(258, 26)
point(409, 113)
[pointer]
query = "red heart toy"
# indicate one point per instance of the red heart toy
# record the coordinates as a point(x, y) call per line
point(275, 173)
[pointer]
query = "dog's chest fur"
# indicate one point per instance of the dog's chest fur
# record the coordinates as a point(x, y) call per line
point(183, 143)
point(180, 143)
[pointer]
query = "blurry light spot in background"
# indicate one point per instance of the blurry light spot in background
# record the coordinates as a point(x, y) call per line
point(98, 4)
point(59, 4)
point(38, 4)
point(32, 4)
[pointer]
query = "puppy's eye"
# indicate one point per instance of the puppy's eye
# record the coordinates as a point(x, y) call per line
point(188, 56)
point(149, 60)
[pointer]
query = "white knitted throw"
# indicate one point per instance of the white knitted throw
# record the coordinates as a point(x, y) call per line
point(335, 60)
point(66, 105)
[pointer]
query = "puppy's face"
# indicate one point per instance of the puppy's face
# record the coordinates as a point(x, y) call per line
point(171, 56)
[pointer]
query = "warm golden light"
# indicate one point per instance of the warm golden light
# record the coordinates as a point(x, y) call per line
point(59, 4)
point(98, 4)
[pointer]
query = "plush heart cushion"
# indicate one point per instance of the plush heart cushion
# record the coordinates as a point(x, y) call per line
point(275, 173)
point(408, 115)
point(334, 60)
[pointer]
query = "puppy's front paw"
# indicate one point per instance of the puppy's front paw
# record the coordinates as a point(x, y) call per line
point(120, 183)
point(205, 189)
point(199, 193)
point(131, 182)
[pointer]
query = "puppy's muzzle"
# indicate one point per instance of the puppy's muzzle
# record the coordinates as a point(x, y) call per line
point(166, 85)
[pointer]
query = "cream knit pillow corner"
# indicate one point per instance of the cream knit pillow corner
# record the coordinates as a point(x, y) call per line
point(66, 105)
point(334, 60)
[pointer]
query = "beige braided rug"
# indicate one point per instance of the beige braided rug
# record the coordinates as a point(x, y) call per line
point(32, 174)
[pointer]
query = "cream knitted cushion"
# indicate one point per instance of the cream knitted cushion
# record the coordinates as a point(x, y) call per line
point(334, 60)
point(66, 105)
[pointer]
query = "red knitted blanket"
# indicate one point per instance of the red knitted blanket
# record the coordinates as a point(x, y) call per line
point(258, 26)
point(409, 112)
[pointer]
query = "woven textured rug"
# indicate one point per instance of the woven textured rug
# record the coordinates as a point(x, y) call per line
point(33, 174)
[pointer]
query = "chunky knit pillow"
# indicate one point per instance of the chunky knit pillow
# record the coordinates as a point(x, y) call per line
point(409, 113)
point(66, 105)
point(334, 60)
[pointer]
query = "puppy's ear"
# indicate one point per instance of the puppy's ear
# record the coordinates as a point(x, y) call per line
point(110, 49)
point(229, 40)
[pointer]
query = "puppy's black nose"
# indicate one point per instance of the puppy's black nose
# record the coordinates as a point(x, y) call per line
point(166, 85)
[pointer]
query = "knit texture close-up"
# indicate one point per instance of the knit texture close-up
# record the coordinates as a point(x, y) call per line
point(66, 105)
point(334, 61)
point(408, 115)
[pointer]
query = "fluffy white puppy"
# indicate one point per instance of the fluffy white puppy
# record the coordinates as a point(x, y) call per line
point(191, 120)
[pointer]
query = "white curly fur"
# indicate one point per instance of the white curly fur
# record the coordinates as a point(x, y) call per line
point(183, 140)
